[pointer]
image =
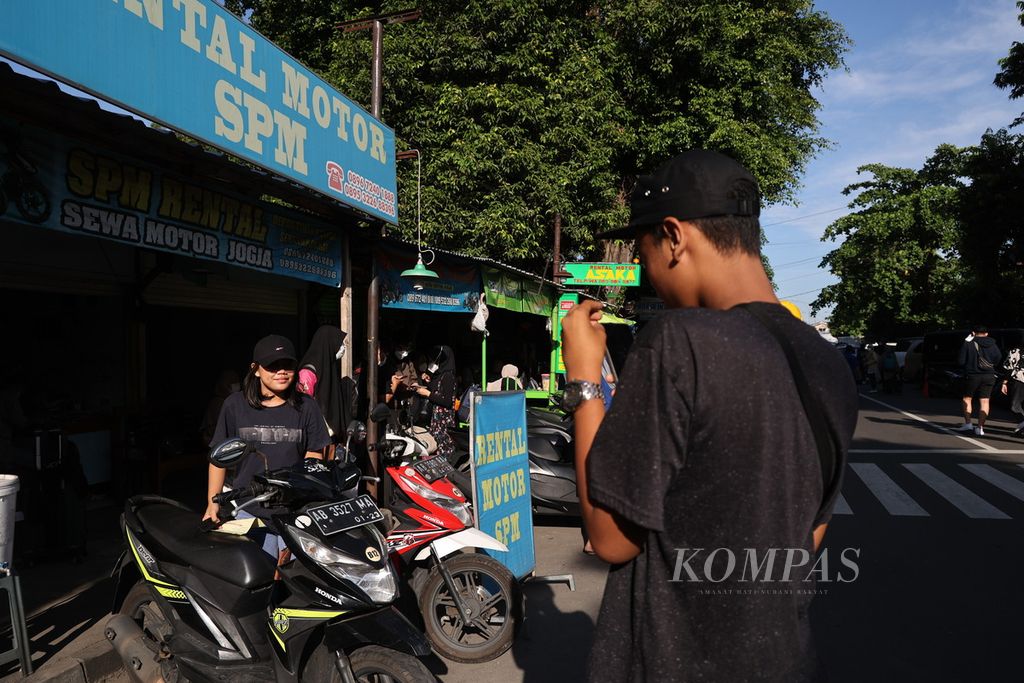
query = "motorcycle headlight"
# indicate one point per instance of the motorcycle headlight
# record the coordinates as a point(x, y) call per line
point(460, 510)
point(380, 585)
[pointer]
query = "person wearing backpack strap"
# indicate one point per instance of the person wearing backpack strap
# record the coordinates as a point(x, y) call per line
point(979, 357)
point(727, 438)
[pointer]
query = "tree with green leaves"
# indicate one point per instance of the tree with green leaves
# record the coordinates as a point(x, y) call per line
point(991, 239)
point(897, 264)
point(1011, 74)
point(528, 109)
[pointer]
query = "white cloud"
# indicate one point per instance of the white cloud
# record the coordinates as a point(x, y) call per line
point(959, 52)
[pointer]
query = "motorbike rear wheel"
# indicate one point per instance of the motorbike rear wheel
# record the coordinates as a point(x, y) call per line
point(370, 664)
point(491, 593)
point(139, 605)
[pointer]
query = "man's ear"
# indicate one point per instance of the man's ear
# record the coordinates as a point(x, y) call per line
point(675, 235)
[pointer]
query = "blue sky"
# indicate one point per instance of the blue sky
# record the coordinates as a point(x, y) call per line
point(919, 73)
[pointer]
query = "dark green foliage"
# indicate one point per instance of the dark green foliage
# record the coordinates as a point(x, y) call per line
point(897, 265)
point(1011, 74)
point(529, 108)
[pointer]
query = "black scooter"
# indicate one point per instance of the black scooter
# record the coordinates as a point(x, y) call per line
point(198, 605)
point(552, 468)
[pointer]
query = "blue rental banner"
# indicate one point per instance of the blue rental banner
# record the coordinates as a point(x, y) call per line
point(501, 476)
point(456, 290)
point(198, 69)
point(68, 185)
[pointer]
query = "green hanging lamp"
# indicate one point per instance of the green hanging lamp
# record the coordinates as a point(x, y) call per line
point(419, 274)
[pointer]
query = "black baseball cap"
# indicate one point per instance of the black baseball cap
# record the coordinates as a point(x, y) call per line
point(698, 183)
point(272, 348)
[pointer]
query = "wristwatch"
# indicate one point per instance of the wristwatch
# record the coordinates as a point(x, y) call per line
point(578, 391)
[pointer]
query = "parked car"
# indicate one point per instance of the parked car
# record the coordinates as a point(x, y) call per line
point(913, 361)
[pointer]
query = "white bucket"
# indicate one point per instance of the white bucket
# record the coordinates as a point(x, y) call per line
point(8, 494)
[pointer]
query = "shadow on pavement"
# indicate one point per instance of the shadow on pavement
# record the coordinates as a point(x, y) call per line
point(52, 629)
point(549, 631)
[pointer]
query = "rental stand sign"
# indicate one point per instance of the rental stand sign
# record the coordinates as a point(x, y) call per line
point(501, 476)
point(198, 69)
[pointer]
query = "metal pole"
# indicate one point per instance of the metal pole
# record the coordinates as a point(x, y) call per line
point(376, 69)
point(345, 305)
point(372, 344)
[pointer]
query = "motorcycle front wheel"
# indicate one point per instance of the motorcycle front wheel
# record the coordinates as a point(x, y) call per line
point(490, 592)
point(370, 664)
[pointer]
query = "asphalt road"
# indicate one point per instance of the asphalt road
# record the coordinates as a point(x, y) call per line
point(937, 517)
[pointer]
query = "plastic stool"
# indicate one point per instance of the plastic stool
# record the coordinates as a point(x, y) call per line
point(19, 633)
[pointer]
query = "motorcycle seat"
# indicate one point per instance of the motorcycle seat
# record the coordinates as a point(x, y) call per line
point(235, 559)
point(542, 448)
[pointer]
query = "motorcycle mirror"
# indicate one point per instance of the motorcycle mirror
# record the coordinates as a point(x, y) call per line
point(356, 430)
point(380, 413)
point(228, 453)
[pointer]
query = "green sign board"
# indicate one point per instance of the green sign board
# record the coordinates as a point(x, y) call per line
point(603, 274)
point(565, 304)
point(513, 293)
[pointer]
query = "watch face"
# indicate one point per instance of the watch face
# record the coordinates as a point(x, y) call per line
point(572, 396)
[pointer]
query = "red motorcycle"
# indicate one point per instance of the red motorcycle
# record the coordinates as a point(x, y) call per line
point(470, 602)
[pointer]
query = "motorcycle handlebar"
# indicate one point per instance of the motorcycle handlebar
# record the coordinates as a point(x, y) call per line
point(250, 491)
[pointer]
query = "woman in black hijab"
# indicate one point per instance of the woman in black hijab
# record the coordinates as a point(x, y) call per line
point(320, 377)
point(440, 392)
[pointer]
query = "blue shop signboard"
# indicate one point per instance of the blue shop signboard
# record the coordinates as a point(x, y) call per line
point(456, 290)
point(68, 185)
point(198, 69)
point(501, 476)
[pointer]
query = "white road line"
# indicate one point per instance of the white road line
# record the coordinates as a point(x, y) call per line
point(970, 504)
point(841, 507)
point(998, 478)
point(918, 451)
point(888, 492)
point(937, 426)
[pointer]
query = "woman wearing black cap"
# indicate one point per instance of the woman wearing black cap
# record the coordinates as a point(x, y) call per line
point(270, 414)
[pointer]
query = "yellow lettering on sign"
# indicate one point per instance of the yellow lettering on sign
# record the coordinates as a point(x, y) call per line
point(229, 124)
point(154, 11)
point(219, 49)
point(296, 89)
point(506, 529)
point(291, 144)
point(248, 48)
point(194, 10)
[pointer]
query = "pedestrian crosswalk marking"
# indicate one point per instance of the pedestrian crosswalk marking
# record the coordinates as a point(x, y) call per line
point(841, 507)
point(895, 500)
point(970, 504)
point(1015, 487)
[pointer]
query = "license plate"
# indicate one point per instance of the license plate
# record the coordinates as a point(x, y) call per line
point(346, 514)
point(434, 468)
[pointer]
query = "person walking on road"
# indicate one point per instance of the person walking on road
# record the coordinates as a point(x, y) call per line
point(871, 368)
point(979, 357)
point(1013, 385)
point(671, 483)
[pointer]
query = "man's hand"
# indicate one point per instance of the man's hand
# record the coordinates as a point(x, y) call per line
point(583, 341)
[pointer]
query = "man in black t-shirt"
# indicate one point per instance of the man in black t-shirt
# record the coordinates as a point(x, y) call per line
point(703, 484)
